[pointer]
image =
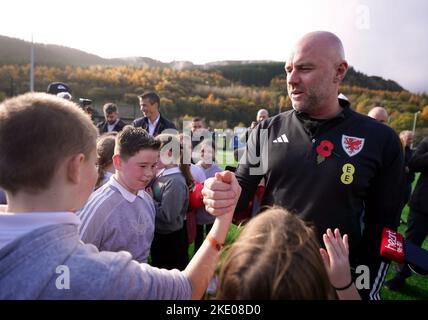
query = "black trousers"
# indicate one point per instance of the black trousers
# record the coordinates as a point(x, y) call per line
point(417, 230)
point(169, 251)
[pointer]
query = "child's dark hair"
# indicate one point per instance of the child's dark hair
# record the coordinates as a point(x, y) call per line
point(166, 138)
point(276, 256)
point(151, 96)
point(105, 152)
point(109, 108)
point(131, 140)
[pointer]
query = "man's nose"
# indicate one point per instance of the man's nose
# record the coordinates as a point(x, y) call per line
point(292, 77)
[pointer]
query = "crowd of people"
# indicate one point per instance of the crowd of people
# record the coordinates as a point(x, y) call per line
point(118, 205)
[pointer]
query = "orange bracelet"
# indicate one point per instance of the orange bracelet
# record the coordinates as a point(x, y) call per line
point(214, 243)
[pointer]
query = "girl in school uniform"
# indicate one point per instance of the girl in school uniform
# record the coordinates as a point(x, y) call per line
point(170, 191)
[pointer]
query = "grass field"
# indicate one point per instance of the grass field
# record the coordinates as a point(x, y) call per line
point(416, 287)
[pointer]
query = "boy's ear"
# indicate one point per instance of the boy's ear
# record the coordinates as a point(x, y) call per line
point(117, 161)
point(74, 168)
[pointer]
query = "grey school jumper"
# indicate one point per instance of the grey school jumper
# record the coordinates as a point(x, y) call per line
point(114, 219)
point(28, 270)
point(171, 197)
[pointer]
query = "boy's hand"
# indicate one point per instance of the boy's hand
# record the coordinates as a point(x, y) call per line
point(221, 193)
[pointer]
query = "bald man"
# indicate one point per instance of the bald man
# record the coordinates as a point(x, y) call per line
point(330, 165)
point(262, 114)
point(380, 114)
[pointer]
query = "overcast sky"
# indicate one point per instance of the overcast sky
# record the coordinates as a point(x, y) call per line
point(388, 38)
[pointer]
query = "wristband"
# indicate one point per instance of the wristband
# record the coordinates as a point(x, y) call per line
point(343, 288)
point(214, 243)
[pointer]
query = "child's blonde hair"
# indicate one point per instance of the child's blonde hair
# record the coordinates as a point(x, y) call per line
point(276, 256)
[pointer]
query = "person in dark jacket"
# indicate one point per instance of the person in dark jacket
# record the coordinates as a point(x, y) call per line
point(3, 199)
point(417, 223)
point(323, 161)
point(112, 121)
point(406, 138)
point(152, 122)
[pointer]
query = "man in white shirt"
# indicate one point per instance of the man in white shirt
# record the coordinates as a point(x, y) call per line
point(112, 121)
point(152, 122)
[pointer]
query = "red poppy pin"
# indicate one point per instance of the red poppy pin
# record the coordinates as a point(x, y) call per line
point(324, 150)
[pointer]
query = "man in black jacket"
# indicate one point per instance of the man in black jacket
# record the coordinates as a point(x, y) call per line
point(417, 223)
point(112, 121)
point(323, 161)
point(152, 122)
point(406, 138)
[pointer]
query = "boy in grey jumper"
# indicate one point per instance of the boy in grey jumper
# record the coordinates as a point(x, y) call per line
point(121, 215)
point(47, 168)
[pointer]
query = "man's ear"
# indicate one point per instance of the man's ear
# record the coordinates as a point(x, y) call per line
point(117, 161)
point(74, 167)
point(341, 70)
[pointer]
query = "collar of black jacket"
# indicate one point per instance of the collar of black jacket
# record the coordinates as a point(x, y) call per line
point(312, 126)
point(345, 111)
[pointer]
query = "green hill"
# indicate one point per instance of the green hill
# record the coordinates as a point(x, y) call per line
point(261, 74)
point(247, 73)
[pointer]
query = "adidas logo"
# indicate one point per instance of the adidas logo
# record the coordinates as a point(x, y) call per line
point(282, 139)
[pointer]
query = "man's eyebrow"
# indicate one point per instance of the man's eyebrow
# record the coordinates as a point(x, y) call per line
point(303, 64)
point(299, 65)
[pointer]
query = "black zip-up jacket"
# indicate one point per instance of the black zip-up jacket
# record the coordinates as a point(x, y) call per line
point(162, 125)
point(356, 188)
point(103, 126)
point(419, 163)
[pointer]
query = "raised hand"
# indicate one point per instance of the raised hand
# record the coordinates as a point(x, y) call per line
point(221, 193)
point(336, 258)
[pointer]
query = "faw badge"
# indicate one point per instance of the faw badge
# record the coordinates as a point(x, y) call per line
point(352, 145)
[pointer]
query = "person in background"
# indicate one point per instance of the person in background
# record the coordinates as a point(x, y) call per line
point(112, 121)
point(170, 189)
point(105, 153)
point(60, 89)
point(153, 122)
point(3, 199)
point(262, 114)
point(406, 138)
point(379, 114)
point(417, 223)
point(207, 163)
point(120, 215)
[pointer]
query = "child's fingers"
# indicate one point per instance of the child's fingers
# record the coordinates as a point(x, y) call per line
point(331, 250)
point(337, 234)
point(325, 258)
point(345, 243)
point(340, 243)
